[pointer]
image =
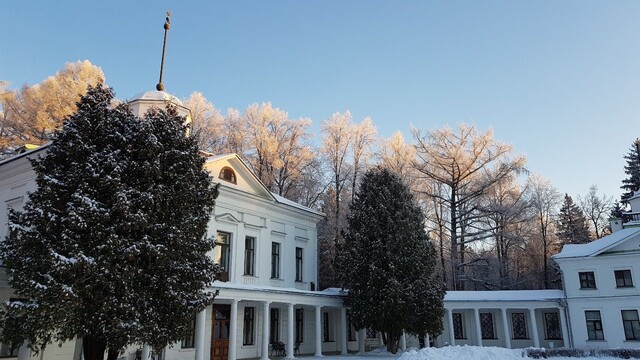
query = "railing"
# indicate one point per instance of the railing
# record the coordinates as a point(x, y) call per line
point(631, 217)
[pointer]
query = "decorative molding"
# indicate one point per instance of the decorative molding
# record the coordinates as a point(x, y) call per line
point(227, 217)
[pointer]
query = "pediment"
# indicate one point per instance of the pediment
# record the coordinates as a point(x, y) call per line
point(631, 244)
point(230, 171)
point(227, 217)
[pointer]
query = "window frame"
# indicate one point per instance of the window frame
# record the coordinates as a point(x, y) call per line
point(631, 327)
point(275, 260)
point(589, 281)
point(621, 282)
point(225, 250)
point(522, 333)
point(597, 334)
point(548, 326)
point(249, 256)
point(299, 325)
point(299, 263)
point(274, 325)
point(487, 330)
point(458, 326)
point(189, 340)
point(248, 330)
point(228, 174)
point(327, 333)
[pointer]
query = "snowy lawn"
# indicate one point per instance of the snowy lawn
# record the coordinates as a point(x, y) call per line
point(450, 353)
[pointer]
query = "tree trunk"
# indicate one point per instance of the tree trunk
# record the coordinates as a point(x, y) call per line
point(93, 348)
point(393, 339)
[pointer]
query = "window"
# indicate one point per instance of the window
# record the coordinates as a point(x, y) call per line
point(189, 341)
point(274, 328)
point(587, 280)
point(372, 334)
point(275, 260)
point(594, 325)
point(458, 326)
point(486, 326)
point(222, 254)
point(326, 328)
point(631, 324)
point(249, 255)
point(227, 174)
point(249, 313)
point(298, 264)
point(7, 350)
point(519, 324)
point(623, 278)
point(299, 325)
point(552, 326)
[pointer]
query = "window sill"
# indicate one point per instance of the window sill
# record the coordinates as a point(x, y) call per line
point(187, 349)
point(493, 338)
point(588, 288)
point(594, 340)
point(625, 287)
point(520, 338)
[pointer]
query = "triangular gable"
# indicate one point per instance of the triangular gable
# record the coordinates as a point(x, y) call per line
point(245, 179)
point(227, 217)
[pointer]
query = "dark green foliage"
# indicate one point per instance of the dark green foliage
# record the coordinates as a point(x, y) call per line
point(387, 262)
point(632, 169)
point(616, 211)
point(572, 224)
point(111, 247)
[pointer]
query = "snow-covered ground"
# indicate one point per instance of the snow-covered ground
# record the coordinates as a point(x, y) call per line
point(449, 353)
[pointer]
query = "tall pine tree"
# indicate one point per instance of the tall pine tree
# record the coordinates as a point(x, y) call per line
point(395, 287)
point(111, 246)
point(572, 224)
point(632, 183)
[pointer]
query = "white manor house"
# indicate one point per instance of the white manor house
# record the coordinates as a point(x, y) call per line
point(268, 304)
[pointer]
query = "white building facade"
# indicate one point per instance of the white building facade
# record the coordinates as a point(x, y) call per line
point(267, 294)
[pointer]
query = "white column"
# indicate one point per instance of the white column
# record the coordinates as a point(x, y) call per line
point(290, 338)
point(452, 336)
point(403, 341)
point(505, 327)
point(233, 330)
point(24, 352)
point(563, 327)
point(362, 336)
point(145, 352)
point(476, 314)
point(345, 331)
point(201, 318)
point(318, 330)
point(265, 330)
point(534, 328)
point(427, 341)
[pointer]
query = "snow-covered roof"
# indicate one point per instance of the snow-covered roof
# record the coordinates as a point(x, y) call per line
point(597, 246)
point(156, 95)
point(504, 295)
point(291, 203)
point(334, 292)
point(26, 153)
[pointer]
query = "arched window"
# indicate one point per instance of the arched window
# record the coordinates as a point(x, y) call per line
point(227, 174)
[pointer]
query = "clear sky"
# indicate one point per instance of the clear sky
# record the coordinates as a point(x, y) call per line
point(558, 80)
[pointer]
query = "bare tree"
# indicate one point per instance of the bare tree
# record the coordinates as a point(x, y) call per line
point(33, 113)
point(596, 208)
point(206, 122)
point(364, 137)
point(545, 200)
point(467, 163)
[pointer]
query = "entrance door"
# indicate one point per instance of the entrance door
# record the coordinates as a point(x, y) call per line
point(220, 333)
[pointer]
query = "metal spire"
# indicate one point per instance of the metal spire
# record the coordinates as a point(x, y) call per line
point(167, 25)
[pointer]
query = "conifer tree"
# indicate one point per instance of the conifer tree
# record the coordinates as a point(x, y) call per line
point(111, 246)
point(387, 262)
point(632, 183)
point(572, 224)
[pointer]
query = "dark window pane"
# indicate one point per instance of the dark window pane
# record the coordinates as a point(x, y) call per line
point(486, 326)
point(519, 324)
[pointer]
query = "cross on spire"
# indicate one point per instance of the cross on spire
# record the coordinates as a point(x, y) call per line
point(167, 25)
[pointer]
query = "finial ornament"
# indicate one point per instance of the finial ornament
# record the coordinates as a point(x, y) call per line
point(167, 25)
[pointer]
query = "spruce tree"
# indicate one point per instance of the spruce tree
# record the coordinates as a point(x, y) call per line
point(632, 183)
point(111, 246)
point(573, 227)
point(387, 262)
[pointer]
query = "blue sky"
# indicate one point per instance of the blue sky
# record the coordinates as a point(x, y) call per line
point(558, 80)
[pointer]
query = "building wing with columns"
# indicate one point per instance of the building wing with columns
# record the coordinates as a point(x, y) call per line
point(268, 304)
